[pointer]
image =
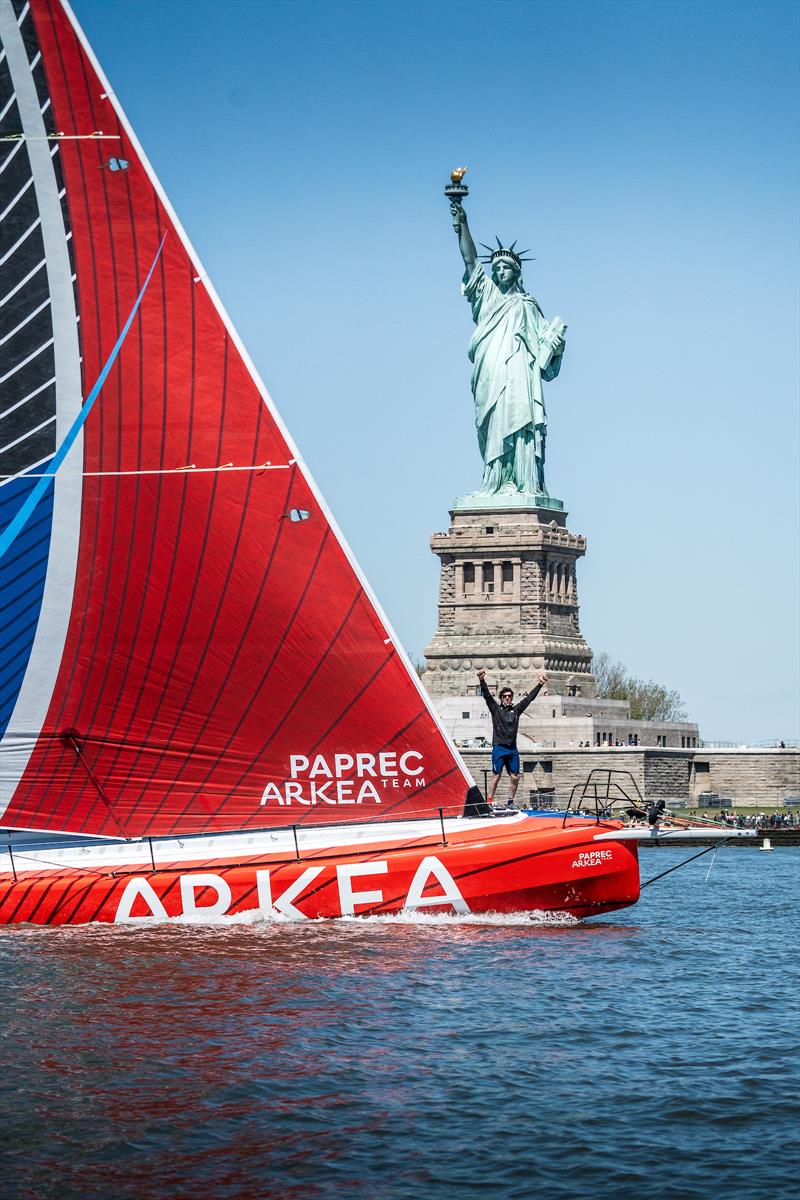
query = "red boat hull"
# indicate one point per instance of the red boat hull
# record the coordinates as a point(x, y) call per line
point(498, 868)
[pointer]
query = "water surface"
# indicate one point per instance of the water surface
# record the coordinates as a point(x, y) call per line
point(644, 1054)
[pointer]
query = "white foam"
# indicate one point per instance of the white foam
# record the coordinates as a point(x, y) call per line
point(256, 916)
point(532, 917)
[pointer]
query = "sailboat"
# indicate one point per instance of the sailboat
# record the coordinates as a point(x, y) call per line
point(204, 711)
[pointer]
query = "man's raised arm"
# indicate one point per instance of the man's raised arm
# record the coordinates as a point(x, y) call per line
point(465, 242)
point(525, 701)
point(491, 703)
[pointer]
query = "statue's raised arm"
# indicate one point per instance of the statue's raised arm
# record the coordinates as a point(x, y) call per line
point(465, 243)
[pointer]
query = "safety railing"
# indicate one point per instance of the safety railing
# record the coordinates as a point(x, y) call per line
point(602, 790)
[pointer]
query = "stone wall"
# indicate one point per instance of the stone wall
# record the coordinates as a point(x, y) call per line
point(666, 776)
point(744, 777)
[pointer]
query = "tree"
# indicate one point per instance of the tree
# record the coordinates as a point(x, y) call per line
point(649, 701)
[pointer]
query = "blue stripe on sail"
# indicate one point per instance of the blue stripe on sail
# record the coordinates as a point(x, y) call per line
point(23, 571)
point(12, 531)
point(22, 579)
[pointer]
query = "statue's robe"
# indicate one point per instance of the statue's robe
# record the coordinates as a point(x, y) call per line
point(507, 383)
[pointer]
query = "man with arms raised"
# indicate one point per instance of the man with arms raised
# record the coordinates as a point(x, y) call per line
point(505, 723)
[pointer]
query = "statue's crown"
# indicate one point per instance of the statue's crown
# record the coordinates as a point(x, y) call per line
point(507, 252)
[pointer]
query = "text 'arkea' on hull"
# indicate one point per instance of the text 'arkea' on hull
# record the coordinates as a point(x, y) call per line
point(200, 698)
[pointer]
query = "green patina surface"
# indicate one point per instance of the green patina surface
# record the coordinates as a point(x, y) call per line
point(513, 351)
point(507, 498)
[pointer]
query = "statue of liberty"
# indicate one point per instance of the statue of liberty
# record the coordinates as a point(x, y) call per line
point(512, 350)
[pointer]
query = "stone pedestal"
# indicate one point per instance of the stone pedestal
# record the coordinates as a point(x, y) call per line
point(508, 602)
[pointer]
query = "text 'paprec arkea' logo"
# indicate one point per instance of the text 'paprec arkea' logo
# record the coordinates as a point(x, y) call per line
point(592, 858)
point(347, 778)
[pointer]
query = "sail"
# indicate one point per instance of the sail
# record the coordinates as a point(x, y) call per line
point(186, 642)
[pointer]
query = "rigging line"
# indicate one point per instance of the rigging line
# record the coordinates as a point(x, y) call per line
point(71, 740)
point(188, 470)
point(41, 487)
point(685, 863)
point(98, 837)
point(47, 862)
point(62, 137)
point(452, 813)
point(257, 857)
point(276, 858)
point(281, 858)
point(711, 865)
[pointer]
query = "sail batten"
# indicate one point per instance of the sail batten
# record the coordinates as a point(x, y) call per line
point(224, 663)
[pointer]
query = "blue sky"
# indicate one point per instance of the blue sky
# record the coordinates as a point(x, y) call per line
point(648, 153)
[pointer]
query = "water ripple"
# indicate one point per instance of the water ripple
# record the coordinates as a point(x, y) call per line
point(645, 1054)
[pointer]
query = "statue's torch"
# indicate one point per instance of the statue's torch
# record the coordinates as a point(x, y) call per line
point(456, 190)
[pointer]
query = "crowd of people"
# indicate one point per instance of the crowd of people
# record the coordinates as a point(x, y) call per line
point(762, 820)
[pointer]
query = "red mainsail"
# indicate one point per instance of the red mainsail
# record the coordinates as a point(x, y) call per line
point(223, 664)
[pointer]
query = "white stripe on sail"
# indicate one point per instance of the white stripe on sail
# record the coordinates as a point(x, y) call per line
point(7, 105)
point(21, 192)
point(4, 479)
point(25, 399)
point(24, 321)
point(24, 437)
point(19, 241)
point(25, 361)
point(24, 13)
point(9, 157)
point(22, 283)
